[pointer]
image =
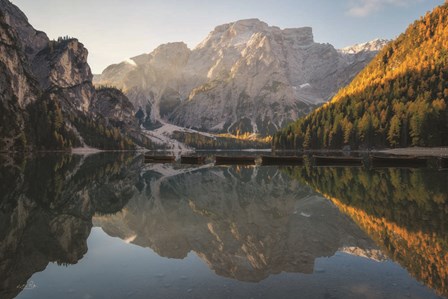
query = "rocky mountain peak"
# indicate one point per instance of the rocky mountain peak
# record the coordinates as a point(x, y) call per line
point(248, 25)
point(31, 40)
point(170, 55)
point(374, 45)
point(232, 34)
point(301, 36)
point(239, 33)
point(245, 76)
point(241, 26)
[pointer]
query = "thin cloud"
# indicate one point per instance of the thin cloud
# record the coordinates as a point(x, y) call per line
point(362, 8)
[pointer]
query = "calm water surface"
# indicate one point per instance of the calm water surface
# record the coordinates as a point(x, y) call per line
point(109, 226)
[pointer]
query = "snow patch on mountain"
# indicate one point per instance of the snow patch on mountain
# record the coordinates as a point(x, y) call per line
point(131, 62)
point(371, 46)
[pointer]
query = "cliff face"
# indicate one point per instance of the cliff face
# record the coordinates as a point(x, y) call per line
point(62, 69)
point(153, 82)
point(55, 64)
point(17, 88)
point(47, 92)
point(245, 76)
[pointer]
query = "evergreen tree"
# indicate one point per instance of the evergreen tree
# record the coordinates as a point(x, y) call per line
point(399, 99)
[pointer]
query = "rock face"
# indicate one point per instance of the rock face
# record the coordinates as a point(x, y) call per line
point(114, 105)
point(62, 68)
point(58, 64)
point(245, 76)
point(152, 81)
point(17, 88)
point(116, 108)
point(47, 92)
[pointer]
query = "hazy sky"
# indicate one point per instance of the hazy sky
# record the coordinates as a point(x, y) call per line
point(114, 30)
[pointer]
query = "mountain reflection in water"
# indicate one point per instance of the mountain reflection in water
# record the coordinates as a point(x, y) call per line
point(242, 221)
point(245, 223)
point(46, 209)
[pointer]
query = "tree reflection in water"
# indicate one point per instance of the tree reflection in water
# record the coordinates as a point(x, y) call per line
point(246, 223)
point(403, 210)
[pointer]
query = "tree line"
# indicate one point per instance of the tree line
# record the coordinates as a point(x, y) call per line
point(400, 99)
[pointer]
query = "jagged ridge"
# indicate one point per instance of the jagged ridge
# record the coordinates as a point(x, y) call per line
point(245, 76)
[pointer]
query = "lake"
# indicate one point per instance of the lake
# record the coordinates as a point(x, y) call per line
point(110, 226)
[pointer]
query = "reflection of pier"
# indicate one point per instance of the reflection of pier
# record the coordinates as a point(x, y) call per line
point(234, 160)
point(398, 161)
point(194, 160)
point(319, 160)
point(160, 159)
point(281, 160)
point(337, 161)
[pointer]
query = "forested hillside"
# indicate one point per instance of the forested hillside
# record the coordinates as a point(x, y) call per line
point(400, 99)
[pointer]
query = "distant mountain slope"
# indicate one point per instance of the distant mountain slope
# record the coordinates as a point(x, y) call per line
point(399, 100)
point(244, 77)
point(374, 45)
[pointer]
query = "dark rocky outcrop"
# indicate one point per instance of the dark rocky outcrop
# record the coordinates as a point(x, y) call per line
point(47, 92)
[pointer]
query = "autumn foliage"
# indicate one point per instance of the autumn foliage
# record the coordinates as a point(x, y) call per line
point(400, 99)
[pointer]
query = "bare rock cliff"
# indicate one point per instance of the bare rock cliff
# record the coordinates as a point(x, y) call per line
point(244, 76)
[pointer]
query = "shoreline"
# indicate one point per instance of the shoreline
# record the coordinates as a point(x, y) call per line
point(418, 151)
point(408, 151)
point(85, 151)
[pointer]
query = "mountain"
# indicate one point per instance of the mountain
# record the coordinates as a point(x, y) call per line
point(400, 99)
point(245, 77)
point(47, 96)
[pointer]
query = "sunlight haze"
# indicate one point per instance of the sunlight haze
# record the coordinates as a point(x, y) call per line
point(116, 30)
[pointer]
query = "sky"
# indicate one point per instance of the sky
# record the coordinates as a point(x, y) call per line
point(115, 30)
